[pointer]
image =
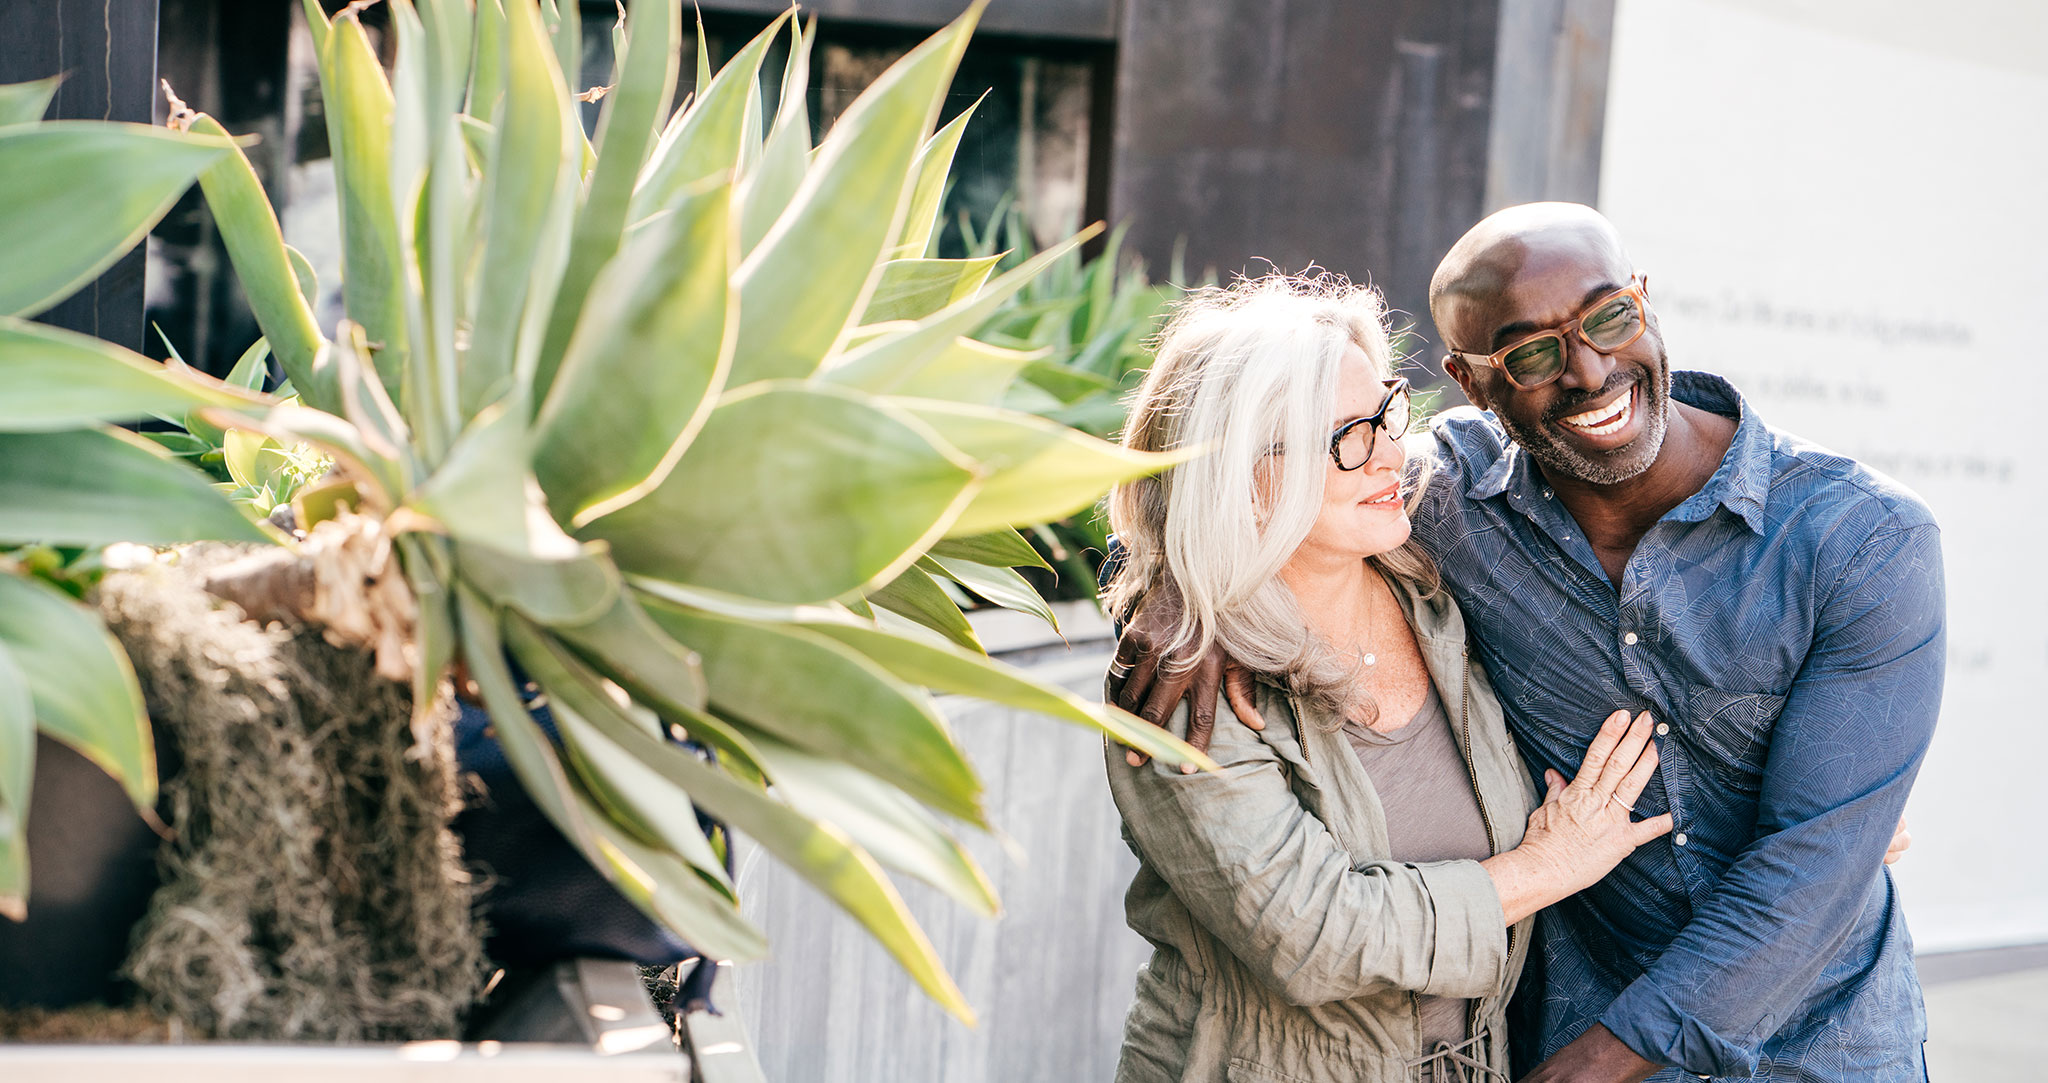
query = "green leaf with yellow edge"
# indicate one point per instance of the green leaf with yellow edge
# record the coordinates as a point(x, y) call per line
point(529, 184)
point(92, 487)
point(625, 135)
point(526, 746)
point(819, 850)
point(779, 172)
point(672, 892)
point(1003, 548)
point(359, 111)
point(634, 793)
point(914, 594)
point(84, 690)
point(928, 198)
point(997, 584)
point(703, 139)
point(629, 648)
point(885, 362)
point(507, 545)
point(814, 693)
point(662, 885)
point(1039, 471)
point(659, 322)
point(881, 820)
point(558, 590)
point(912, 289)
point(79, 195)
point(794, 492)
point(52, 379)
point(932, 664)
point(967, 370)
point(17, 776)
point(822, 257)
point(264, 266)
point(25, 103)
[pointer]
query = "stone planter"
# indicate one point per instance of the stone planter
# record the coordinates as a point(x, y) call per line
point(1051, 978)
point(92, 865)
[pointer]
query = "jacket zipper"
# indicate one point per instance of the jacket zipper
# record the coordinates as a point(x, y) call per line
point(1472, 772)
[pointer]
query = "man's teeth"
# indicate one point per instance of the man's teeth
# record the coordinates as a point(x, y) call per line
point(1602, 420)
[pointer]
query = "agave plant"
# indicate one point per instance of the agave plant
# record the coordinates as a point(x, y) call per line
point(1087, 323)
point(74, 197)
point(676, 424)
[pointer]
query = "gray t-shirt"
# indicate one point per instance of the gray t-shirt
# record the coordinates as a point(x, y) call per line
point(1432, 815)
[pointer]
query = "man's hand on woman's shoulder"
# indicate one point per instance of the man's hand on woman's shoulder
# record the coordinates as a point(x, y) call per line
point(1150, 684)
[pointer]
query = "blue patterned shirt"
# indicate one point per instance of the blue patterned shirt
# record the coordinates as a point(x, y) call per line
point(1784, 626)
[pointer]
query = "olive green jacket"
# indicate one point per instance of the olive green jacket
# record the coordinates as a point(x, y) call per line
point(1287, 945)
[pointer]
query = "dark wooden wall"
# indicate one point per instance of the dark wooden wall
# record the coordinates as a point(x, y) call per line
point(1349, 134)
point(1088, 20)
point(106, 51)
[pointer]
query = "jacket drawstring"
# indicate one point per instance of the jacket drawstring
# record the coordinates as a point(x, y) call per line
point(1470, 1068)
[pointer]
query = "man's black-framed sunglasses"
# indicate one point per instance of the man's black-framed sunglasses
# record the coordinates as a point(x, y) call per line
point(1351, 446)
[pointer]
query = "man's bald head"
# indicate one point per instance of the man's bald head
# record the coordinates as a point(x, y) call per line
point(1485, 262)
point(1534, 270)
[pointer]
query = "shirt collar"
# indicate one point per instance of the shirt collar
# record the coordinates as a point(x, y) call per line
point(1742, 484)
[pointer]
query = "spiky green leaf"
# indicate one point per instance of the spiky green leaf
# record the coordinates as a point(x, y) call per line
point(79, 194)
point(90, 487)
point(792, 492)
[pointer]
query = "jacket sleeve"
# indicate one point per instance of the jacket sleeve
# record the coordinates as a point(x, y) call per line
point(1268, 880)
point(1842, 760)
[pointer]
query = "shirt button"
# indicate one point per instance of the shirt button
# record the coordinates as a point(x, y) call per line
point(1629, 639)
point(1546, 494)
point(1663, 728)
point(1678, 839)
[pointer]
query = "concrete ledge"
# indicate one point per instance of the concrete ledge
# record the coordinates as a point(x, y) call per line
point(1953, 966)
point(413, 1062)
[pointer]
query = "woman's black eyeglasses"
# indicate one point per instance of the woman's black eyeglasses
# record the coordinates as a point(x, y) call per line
point(1351, 446)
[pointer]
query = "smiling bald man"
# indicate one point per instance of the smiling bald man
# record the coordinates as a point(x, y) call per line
point(1621, 535)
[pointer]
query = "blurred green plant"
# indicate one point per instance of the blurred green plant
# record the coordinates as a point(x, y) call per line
point(679, 419)
point(249, 468)
point(75, 196)
point(1087, 326)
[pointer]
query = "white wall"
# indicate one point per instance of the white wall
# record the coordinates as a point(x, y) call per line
point(1842, 205)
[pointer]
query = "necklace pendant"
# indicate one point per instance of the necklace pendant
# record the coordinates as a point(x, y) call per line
point(1371, 658)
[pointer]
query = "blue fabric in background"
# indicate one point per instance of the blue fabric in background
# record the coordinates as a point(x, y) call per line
point(543, 901)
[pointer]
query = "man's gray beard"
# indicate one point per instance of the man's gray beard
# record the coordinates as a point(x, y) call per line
point(1558, 457)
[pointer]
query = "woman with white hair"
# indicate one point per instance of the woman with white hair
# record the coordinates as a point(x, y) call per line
point(1349, 896)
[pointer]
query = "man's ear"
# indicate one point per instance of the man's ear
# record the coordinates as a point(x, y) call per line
point(1457, 369)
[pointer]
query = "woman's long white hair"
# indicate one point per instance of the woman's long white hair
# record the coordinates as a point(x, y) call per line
point(1244, 370)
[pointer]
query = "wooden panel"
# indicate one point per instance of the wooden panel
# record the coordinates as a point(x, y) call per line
point(1549, 101)
point(1051, 978)
point(1349, 134)
point(106, 50)
point(1086, 20)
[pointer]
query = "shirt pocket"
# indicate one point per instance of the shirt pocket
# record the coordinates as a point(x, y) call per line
point(1731, 731)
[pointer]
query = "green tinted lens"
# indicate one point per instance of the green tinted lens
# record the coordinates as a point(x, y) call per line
point(1536, 361)
point(1614, 323)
